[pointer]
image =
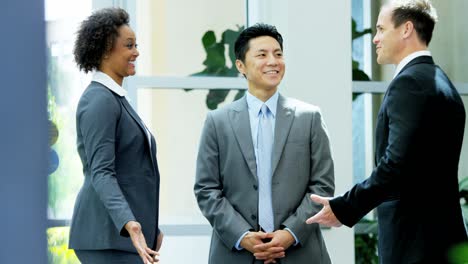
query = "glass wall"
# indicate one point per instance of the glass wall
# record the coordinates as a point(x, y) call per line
point(179, 45)
point(178, 40)
point(65, 85)
point(174, 42)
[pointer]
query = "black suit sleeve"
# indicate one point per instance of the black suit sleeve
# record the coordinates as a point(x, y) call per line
point(404, 106)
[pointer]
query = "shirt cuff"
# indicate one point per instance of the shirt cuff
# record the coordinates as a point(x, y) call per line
point(295, 237)
point(238, 246)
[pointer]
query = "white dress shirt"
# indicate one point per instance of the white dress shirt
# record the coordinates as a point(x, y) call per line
point(409, 58)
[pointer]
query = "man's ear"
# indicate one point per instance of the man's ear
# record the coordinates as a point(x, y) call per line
point(240, 67)
point(407, 29)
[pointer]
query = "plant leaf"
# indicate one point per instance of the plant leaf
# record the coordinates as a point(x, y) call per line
point(208, 39)
point(215, 97)
point(229, 37)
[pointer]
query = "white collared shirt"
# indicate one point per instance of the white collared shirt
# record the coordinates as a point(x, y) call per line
point(108, 82)
point(409, 58)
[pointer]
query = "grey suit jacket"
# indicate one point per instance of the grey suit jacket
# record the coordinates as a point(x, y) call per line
point(121, 173)
point(226, 179)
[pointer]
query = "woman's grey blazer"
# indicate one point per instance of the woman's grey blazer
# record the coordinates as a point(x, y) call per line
point(121, 173)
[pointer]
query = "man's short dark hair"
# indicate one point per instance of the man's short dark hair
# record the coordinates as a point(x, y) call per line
point(97, 36)
point(258, 30)
point(420, 12)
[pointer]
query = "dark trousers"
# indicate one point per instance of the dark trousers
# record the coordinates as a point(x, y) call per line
point(107, 256)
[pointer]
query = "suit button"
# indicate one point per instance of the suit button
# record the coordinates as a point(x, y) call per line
point(253, 217)
point(255, 187)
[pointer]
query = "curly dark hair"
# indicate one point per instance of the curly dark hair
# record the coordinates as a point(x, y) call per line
point(96, 37)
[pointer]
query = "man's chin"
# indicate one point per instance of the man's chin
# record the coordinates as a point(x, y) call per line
point(380, 61)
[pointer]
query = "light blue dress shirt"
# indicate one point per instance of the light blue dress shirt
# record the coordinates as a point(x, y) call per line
point(254, 105)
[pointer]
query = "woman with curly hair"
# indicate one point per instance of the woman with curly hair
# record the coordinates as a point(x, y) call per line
point(115, 219)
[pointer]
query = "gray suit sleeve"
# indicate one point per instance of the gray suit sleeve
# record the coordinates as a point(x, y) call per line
point(321, 179)
point(226, 221)
point(98, 117)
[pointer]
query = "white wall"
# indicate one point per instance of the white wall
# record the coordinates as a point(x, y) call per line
point(450, 37)
point(318, 70)
point(450, 52)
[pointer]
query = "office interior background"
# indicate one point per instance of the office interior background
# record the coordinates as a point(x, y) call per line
point(174, 76)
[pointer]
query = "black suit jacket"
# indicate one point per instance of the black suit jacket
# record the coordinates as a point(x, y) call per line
point(121, 173)
point(419, 136)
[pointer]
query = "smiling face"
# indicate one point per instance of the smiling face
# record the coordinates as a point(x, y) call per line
point(388, 39)
point(120, 60)
point(263, 65)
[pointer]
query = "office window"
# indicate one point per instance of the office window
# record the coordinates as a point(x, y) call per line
point(362, 103)
point(173, 102)
point(170, 34)
point(65, 86)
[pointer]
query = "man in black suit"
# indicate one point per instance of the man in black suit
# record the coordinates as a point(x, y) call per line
point(419, 136)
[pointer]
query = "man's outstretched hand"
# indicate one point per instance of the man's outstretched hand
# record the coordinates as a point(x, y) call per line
point(326, 216)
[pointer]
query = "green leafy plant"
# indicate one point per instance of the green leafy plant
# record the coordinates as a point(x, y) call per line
point(216, 63)
point(459, 254)
point(365, 242)
point(58, 252)
point(463, 190)
point(365, 246)
point(65, 181)
point(358, 74)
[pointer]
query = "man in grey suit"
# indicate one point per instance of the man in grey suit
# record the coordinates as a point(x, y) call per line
point(259, 160)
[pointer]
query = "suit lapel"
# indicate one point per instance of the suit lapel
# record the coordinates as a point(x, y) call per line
point(153, 156)
point(137, 119)
point(284, 120)
point(240, 123)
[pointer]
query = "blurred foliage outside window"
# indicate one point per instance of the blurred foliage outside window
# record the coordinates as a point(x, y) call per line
point(216, 63)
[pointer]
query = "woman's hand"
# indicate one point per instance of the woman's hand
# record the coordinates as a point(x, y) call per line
point(159, 240)
point(139, 242)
